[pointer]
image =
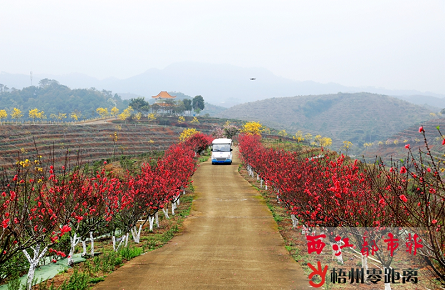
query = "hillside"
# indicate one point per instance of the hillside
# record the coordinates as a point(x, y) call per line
point(54, 98)
point(358, 117)
point(394, 146)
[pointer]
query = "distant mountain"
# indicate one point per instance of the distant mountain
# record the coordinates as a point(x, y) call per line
point(358, 117)
point(212, 110)
point(435, 104)
point(219, 84)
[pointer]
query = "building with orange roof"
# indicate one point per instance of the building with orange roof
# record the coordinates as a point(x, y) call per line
point(163, 101)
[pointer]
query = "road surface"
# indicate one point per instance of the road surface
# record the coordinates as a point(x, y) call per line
point(229, 241)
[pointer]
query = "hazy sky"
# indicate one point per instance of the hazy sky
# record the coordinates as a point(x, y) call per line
point(382, 43)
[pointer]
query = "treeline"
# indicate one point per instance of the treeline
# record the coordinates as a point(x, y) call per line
point(51, 97)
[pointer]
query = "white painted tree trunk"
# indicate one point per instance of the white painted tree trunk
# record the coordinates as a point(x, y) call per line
point(157, 219)
point(387, 271)
point(265, 183)
point(304, 230)
point(136, 233)
point(339, 257)
point(74, 241)
point(257, 176)
point(150, 222)
point(33, 262)
point(365, 265)
point(173, 208)
point(178, 201)
point(294, 221)
point(261, 183)
point(92, 244)
point(122, 239)
point(84, 248)
point(165, 213)
point(126, 239)
point(183, 191)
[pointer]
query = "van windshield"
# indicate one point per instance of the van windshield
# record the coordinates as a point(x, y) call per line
point(221, 147)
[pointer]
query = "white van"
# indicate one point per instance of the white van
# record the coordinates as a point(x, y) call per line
point(222, 151)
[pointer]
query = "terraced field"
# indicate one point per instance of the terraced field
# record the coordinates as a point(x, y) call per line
point(414, 138)
point(88, 142)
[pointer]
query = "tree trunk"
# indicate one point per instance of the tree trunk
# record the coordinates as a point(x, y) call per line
point(92, 244)
point(339, 257)
point(74, 241)
point(136, 233)
point(165, 213)
point(294, 221)
point(33, 262)
point(173, 208)
point(150, 222)
point(365, 265)
point(84, 247)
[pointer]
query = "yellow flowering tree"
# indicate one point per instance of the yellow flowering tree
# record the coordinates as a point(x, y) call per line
point(114, 111)
point(187, 133)
point(74, 116)
point(282, 133)
point(367, 145)
point(114, 139)
point(61, 116)
point(151, 117)
point(326, 141)
point(252, 128)
point(195, 121)
point(103, 112)
point(298, 136)
point(16, 114)
point(126, 113)
point(347, 145)
point(3, 115)
point(35, 114)
point(181, 119)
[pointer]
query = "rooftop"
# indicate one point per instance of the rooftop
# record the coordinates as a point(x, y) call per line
point(163, 95)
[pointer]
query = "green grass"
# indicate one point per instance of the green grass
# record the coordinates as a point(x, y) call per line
point(203, 159)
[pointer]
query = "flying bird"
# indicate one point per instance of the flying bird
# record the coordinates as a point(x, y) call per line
point(252, 79)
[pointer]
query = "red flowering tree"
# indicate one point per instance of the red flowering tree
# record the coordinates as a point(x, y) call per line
point(31, 219)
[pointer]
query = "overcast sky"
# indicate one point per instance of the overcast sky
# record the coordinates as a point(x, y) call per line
point(381, 43)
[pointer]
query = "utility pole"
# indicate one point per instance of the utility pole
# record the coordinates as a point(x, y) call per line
point(30, 75)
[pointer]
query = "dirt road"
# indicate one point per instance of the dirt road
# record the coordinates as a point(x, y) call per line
point(229, 241)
